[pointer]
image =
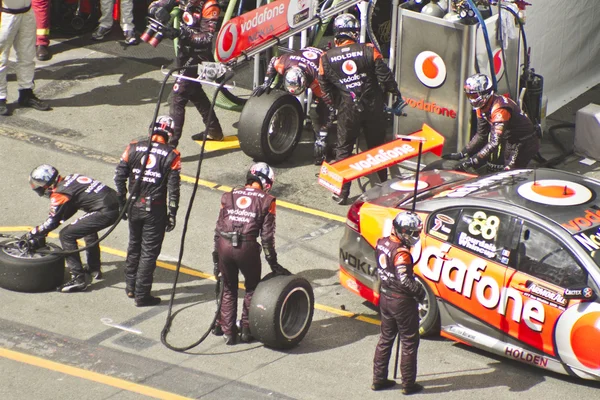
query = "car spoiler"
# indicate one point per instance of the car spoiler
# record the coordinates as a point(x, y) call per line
point(333, 176)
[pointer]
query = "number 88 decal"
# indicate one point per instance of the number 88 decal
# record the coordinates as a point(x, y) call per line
point(483, 225)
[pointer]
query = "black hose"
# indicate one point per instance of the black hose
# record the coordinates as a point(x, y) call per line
point(370, 33)
point(565, 153)
point(170, 316)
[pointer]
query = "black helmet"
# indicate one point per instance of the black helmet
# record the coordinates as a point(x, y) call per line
point(42, 178)
point(346, 26)
point(164, 126)
point(479, 89)
point(263, 174)
point(408, 227)
point(294, 81)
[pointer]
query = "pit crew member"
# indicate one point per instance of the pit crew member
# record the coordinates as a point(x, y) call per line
point(155, 208)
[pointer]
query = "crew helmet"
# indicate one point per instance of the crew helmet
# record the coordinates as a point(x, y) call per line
point(43, 178)
point(346, 26)
point(294, 80)
point(408, 227)
point(263, 174)
point(164, 126)
point(479, 89)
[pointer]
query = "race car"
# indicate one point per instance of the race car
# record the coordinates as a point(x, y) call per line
point(510, 261)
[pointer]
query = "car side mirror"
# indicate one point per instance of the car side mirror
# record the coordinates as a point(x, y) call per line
point(583, 294)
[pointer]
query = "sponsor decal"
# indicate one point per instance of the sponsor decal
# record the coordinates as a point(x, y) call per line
point(382, 261)
point(483, 225)
point(544, 294)
point(555, 192)
point(243, 202)
point(430, 69)
point(500, 179)
point(408, 185)
point(586, 293)
point(591, 217)
point(349, 67)
point(525, 356)
point(498, 63)
point(84, 180)
point(430, 107)
point(577, 336)
point(477, 245)
point(472, 283)
point(346, 56)
point(356, 263)
point(151, 163)
point(311, 55)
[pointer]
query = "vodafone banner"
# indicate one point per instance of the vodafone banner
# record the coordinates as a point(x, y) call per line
point(258, 26)
point(333, 176)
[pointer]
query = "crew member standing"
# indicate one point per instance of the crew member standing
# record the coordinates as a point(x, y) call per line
point(67, 196)
point(41, 9)
point(245, 214)
point(300, 70)
point(155, 207)
point(357, 72)
point(200, 19)
point(398, 303)
point(501, 126)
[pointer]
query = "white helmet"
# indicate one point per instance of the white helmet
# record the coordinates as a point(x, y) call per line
point(164, 126)
point(42, 178)
point(263, 174)
point(408, 227)
point(479, 89)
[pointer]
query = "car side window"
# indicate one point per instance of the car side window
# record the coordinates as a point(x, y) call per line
point(543, 257)
point(485, 232)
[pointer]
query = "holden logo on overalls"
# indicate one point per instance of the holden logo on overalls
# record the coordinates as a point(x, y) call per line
point(311, 55)
point(430, 69)
point(349, 67)
point(227, 41)
point(151, 161)
point(84, 180)
point(498, 63)
point(243, 202)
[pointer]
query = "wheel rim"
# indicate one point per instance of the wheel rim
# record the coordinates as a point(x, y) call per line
point(295, 313)
point(283, 127)
point(10, 248)
point(424, 306)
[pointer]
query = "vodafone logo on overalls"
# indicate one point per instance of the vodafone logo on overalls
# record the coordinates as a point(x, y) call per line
point(227, 41)
point(349, 67)
point(84, 180)
point(151, 161)
point(430, 69)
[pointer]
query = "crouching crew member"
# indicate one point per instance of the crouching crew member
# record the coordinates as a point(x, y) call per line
point(398, 304)
point(245, 214)
point(67, 196)
point(153, 212)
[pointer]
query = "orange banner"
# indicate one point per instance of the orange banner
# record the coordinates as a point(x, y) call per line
point(333, 176)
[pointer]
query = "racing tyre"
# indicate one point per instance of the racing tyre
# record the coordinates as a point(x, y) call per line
point(429, 312)
point(281, 310)
point(270, 126)
point(30, 272)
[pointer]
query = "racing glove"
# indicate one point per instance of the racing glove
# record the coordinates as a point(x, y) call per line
point(330, 118)
point(279, 270)
point(160, 14)
point(398, 106)
point(122, 202)
point(454, 156)
point(264, 88)
point(469, 163)
point(171, 222)
point(172, 33)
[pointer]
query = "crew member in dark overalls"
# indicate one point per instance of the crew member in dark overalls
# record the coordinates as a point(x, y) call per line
point(245, 214)
point(398, 303)
point(155, 208)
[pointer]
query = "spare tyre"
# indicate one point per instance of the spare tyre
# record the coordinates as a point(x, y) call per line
point(281, 310)
point(30, 272)
point(270, 126)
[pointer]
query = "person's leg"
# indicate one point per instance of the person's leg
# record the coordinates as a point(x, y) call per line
point(134, 249)
point(127, 22)
point(229, 272)
point(9, 26)
point(250, 267)
point(105, 22)
point(152, 238)
point(383, 351)
point(41, 9)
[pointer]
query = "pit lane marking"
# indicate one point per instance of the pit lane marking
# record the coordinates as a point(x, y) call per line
point(89, 375)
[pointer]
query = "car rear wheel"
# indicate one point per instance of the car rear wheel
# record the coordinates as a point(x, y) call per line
point(281, 311)
point(429, 313)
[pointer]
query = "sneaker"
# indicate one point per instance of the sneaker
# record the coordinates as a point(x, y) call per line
point(211, 135)
point(414, 388)
point(246, 336)
point(130, 38)
point(100, 32)
point(3, 107)
point(28, 99)
point(382, 385)
point(217, 330)
point(76, 284)
point(96, 274)
point(42, 53)
point(147, 301)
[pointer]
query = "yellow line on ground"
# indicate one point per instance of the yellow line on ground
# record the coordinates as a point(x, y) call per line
point(89, 375)
point(228, 143)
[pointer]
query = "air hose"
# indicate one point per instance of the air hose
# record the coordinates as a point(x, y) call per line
point(487, 41)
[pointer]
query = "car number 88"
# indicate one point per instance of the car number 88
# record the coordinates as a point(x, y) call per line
point(483, 225)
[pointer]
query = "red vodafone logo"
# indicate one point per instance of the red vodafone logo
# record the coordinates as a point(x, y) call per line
point(408, 185)
point(151, 161)
point(349, 67)
point(84, 180)
point(227, 40)
point(430, 69)
point(498, 63)
point(311, 55)
point(555, 192)
point(243, 202)
point(577, 335)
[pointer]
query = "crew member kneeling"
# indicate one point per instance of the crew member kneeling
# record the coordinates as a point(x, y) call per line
point(245, 214)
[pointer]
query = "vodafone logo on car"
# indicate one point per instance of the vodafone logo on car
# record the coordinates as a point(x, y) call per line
point(555, 192)
point(349, 67)
point(430, 69)
point(227, 40)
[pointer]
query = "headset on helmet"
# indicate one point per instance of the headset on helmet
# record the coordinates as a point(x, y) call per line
point(346, 26)
point(42, 178)
point(164, 126)
point(479, 89)
point(408, 227)
point(263, 174)
point(295, 81)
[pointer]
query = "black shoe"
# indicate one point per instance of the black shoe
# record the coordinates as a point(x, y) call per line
point(28, 99)
point(3, 107)
point(217, 330)
point(42, 53)
point(230, 339)
point(341, 199)
point(414, 388)
point(96, 274)
point(130, 293)
point(210, 135)
point(382, 385)
point(246, 336)
point(76, 284)
point(147, 301)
